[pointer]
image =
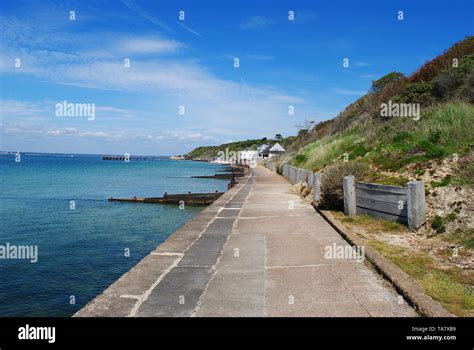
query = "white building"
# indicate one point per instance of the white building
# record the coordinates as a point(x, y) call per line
point(271, 150)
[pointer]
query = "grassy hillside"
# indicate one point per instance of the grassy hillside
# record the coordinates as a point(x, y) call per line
point(444, 130)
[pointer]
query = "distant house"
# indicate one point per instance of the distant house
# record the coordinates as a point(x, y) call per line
point(271, 150)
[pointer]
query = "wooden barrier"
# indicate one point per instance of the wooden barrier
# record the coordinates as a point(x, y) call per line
point(402, 204)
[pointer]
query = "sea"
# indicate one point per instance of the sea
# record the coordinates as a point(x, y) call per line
point(58, 204)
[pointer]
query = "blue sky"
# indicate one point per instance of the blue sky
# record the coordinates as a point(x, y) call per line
point(190, 63)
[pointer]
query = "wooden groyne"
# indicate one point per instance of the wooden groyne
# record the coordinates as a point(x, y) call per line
point(188, 198)
point(124, 158)
point(219, 176)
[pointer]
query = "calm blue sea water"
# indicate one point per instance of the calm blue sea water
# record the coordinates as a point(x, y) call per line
point(81, 251)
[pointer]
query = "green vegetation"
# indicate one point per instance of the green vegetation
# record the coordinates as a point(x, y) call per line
point(445, 182)
point(332, 196)
point(443, 130)
point(449, 286)
point(444, 88)
point(207, 152)
point(437, 224)
point(380, 84)
point(463, 237)
point(370, 224)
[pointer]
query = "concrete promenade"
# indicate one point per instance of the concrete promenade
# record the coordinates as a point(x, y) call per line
point(259, 250)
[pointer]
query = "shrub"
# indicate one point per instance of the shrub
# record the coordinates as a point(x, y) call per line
point(378, 85)
point(301, 159)
point(430, 69)
point(332, 196)
point(466, 91)
point(444, 182)
point(419, 92)
point(358, 150)
point(431, 150)
point(437, 224)
point(402, 136)
point(445, 85)
point(466, 169)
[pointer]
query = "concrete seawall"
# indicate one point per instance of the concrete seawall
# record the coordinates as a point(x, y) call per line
point(259, 250)
point(125, 296)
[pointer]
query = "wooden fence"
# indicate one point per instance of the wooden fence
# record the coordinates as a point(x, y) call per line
point(402, 204)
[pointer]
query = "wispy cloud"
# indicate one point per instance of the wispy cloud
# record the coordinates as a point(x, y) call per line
point(256, 23)
point(361, 64)
point(260, 57)
point(189, 29)
point(75, 133)
point(149, 45)
point(26, 111)
point(161, 75)
point(146, 15)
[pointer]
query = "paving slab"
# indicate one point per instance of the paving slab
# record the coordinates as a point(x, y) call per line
point(238, 287)
point(177, 294)
point(205, 251)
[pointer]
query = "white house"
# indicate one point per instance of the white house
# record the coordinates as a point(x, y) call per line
point(272, 150)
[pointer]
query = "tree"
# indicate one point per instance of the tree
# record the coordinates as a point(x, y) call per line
point(306, 126)
point(278, 137)
point(378, 85)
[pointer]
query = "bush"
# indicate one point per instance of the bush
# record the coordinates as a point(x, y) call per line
point(301, 159)
point(402, 136)
point(358, 150)
point(432, 68)
point(419, 92)
point(332, 196)
point(431, 150)
point(378, 85)
point(437, 224)
point(445, 85)
point(466, 91)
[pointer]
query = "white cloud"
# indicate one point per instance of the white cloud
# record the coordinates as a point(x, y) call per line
point(226, 107)
point(149, 45)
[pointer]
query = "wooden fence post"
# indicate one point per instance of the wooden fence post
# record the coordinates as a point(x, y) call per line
point(310, 179)
point(416, 208)
point(348, 183)
point(316, 187)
